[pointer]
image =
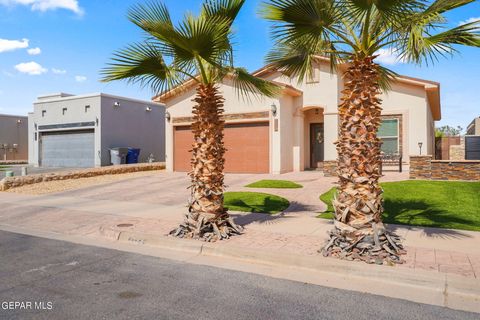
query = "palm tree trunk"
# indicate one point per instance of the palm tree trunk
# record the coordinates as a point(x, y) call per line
point(207, 217)
point(359, 233)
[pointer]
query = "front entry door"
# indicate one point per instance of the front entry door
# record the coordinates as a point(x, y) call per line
point(316, 145)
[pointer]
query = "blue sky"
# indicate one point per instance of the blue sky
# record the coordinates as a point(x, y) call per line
point(51, 46)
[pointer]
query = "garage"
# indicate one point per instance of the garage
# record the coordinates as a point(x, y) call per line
point(67, 149)
point(247, 147)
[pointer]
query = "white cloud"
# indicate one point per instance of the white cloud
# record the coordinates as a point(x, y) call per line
point(58, 71)
point(388, 56)
point(473, 19)
point(80, 78)
point(11, 45)
point(31, 68)
point(34, 51)
point(45, 5)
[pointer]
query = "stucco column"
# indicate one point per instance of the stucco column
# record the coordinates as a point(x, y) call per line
point(298, 141)
point(168, 146)
point(275, 147)
point(330, 135)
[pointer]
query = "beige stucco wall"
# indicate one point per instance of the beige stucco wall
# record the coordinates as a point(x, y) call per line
point(289, 146)
point(407, 100)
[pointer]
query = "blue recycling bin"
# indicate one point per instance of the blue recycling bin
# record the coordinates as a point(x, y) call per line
point(132, 155)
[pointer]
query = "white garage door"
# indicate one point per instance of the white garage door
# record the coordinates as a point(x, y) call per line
point(67, 149)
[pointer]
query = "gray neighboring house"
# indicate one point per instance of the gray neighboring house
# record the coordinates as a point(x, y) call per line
point(78, 130)
point(473, 128)
point(13, 138)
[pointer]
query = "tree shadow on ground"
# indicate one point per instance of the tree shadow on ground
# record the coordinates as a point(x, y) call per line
point(296, 206)
point(258, 212)
point(255, 217)
point(432, 220)
point(269, 205)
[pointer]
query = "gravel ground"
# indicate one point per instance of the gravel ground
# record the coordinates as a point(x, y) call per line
point(65, 185)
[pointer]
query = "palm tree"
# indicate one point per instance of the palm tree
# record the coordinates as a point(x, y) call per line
point(351, 33)
point(198, 49)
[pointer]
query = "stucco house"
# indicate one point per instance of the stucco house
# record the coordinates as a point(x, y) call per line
point(296, 131)
point(68, 130)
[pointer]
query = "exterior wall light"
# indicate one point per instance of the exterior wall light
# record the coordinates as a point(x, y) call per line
point(19, 121)
point(148, 109)
point(274, 109)
point(167, 116)
point(420, 144)
point(116, 104)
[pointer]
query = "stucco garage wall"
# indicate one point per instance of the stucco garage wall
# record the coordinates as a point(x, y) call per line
point(131, 125)
point(14, 130)
point(181, 106)
point(75, 112)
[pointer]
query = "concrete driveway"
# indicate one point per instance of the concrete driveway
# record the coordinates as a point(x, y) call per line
point(171, 188)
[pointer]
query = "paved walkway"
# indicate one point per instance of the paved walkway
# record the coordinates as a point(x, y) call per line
point(155, 205)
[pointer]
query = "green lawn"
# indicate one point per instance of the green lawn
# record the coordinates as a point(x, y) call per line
point(278, 184)
point(441, 204)
point(255, 202)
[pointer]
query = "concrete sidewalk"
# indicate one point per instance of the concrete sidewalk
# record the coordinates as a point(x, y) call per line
point(439, 250)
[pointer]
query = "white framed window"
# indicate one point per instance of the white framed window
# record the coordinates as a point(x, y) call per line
point(389, 133)
point(314, 77)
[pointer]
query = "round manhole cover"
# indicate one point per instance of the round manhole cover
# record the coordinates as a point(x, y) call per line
point(124, 225)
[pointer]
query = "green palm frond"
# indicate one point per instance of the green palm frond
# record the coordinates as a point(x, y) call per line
point(150, 14)
point(297, 58)
point(247, 85)
point(386, 78)
point(197, 47)
point(442, 6)
point(206, 38)
point(142, 63)
point(315, 20)
point(419, 43)
point(345, 29)
point(223, 9)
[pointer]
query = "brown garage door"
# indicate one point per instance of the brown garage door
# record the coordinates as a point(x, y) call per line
point(247, 148)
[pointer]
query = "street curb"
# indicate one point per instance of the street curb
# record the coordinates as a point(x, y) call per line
point(420, 286)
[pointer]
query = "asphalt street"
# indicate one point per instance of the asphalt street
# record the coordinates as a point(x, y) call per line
point(49, 279)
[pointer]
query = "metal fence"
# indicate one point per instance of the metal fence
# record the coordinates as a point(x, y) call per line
point(472, 147)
